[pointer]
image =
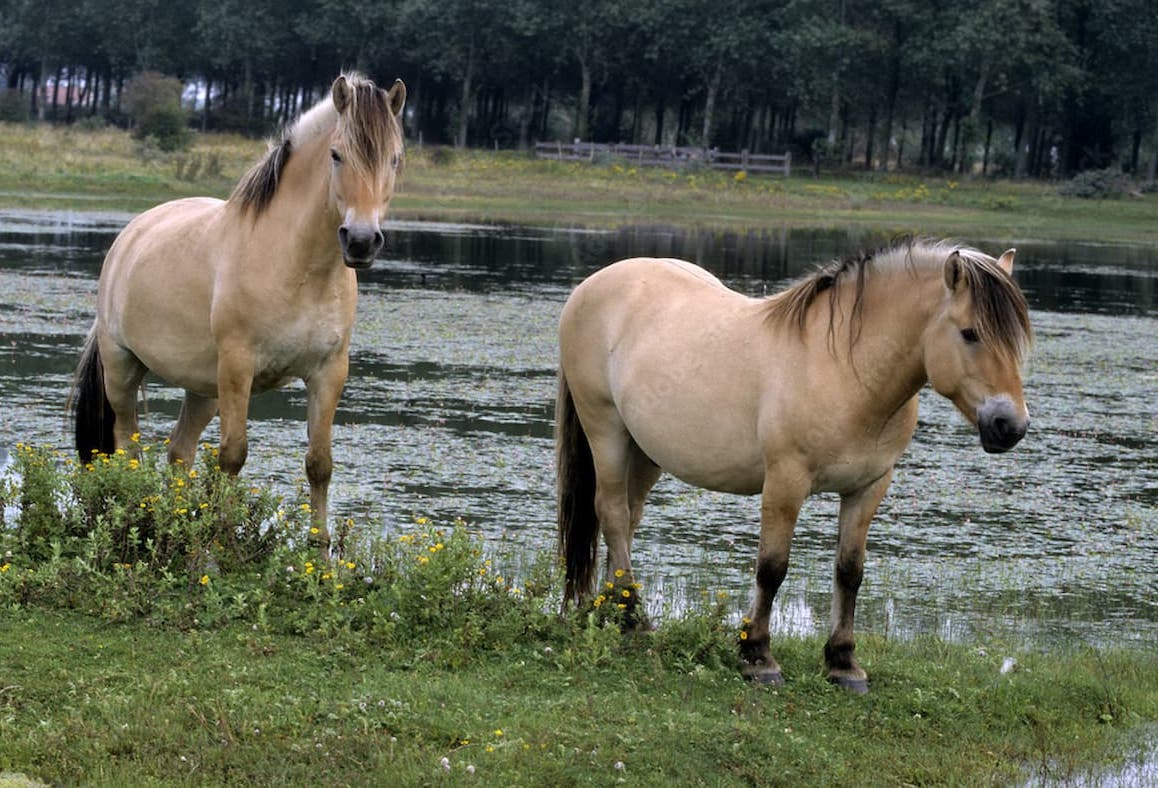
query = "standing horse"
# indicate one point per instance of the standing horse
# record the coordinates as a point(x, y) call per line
point(662, 368)
point(227, 299)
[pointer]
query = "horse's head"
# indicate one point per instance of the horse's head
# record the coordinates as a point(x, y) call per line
point(366, 150)
point(975, 343)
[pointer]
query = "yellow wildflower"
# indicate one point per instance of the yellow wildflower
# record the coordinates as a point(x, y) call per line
point(204, 580)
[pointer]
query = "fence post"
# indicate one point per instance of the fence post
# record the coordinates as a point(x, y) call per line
point(787, 164)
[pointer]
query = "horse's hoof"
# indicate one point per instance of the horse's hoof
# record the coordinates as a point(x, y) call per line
point(759, 674)
point(855, 686)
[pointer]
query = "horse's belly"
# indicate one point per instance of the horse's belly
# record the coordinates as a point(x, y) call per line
point(703, 452)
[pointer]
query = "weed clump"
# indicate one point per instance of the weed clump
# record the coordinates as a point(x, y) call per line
point(129, 537)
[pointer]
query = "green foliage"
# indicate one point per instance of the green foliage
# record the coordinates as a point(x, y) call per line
point(13, 107)
point(130, 536)
point(1096, 184)
point(153, 102)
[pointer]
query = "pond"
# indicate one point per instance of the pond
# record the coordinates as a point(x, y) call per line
point(448, 413)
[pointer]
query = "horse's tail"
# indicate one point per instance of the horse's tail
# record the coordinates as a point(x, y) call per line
point(90, 404)
point(575, 475)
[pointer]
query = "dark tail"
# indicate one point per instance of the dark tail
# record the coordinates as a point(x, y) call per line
point(575, 474)
point(94, 414)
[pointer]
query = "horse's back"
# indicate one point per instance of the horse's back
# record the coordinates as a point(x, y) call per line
point(156, 289)
point(163, 240)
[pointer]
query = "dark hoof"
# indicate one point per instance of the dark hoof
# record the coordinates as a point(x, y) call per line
point(855, 686)
point(761, 674)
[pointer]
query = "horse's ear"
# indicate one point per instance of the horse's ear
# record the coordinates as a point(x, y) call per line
point(1006, 261)
point(341, 93)
point(953, 271)
point(396, 97)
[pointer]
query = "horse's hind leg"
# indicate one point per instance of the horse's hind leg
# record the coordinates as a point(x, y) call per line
point(622, 480)
point(642, 474)
point(856, 512)
point(196, 413)
point(123, 373)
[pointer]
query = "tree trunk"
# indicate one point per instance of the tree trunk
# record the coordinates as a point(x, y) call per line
point(710, 103)
point(1152, 169)
point(584, 109)
point(659, 112)
point(973, 122)
point(988, 142)
point(464, 100)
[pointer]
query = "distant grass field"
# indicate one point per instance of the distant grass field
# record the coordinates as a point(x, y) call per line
point(47, 167)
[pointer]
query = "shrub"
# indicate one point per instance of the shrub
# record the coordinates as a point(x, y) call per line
point(1096, 184)
point(14, 106)
point(153, 102)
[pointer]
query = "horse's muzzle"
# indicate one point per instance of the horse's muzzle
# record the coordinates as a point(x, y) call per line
point(1000, 424)
point(360, 244)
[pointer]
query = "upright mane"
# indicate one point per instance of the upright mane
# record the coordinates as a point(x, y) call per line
point(370, 135)
point(1001, 312)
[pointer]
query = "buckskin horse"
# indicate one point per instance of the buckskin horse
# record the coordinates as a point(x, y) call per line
point(229, 298)
point(814, 389)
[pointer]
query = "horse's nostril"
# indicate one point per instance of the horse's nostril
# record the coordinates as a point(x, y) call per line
point(379, 238)
point(343, 235)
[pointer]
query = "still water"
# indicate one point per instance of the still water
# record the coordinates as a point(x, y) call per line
point(448, 409)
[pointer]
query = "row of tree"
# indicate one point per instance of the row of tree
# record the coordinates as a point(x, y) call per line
point(1019, 87)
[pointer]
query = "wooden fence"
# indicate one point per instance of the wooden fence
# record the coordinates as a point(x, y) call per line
point(666, 156)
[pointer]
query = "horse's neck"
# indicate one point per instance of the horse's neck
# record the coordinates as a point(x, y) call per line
point(301, 221)
point(886, 353)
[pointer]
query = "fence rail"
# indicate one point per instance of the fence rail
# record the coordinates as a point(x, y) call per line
point(666, 156)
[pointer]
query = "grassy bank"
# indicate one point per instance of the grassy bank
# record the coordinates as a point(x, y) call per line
point(45, 167)
point(168, 625)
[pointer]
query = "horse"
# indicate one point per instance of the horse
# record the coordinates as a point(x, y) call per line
point(229, 298)
point(813, 389)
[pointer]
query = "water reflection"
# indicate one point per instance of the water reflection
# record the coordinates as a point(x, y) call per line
point(448, 412)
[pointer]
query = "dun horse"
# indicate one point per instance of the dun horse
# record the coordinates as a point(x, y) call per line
point(814, 389)
point(226, 299)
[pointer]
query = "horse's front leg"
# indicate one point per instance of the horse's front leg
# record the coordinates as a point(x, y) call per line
point(323, 390)
point(856, 512)
point(779, 506)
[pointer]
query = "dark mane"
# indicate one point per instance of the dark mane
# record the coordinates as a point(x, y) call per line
point(256, 188)
point(370, 136)
point(1001, 312)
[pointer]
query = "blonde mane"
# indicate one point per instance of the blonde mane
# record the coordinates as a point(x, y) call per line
point(370, 134)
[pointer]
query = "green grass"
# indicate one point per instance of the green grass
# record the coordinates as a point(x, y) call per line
point(46, 167)
point(168, 626)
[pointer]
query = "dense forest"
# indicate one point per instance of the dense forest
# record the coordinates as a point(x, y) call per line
point(1016, 88)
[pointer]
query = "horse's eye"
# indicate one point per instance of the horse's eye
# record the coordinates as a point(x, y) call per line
point(970, 336)
point(337, 157)
point(394, 160)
